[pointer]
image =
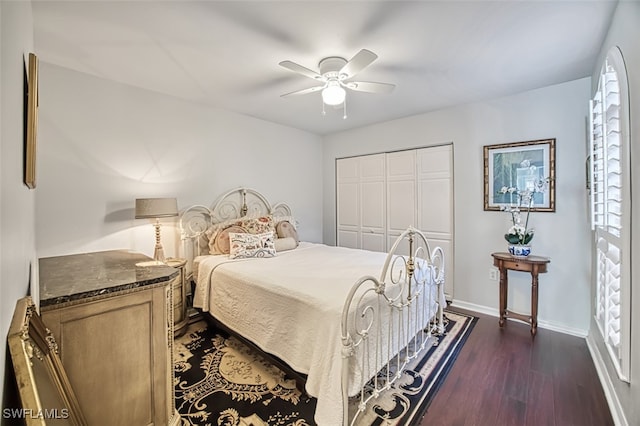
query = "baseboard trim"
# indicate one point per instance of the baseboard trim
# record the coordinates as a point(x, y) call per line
point(541, 323)
point(473, 307)
point(607, 384)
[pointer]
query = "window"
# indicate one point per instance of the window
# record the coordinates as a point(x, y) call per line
point(610, 208)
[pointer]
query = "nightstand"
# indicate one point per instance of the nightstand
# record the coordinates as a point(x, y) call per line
point(534, 265)
point(180, 317)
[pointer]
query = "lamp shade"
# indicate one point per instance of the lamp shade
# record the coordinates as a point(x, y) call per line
point(156, 207)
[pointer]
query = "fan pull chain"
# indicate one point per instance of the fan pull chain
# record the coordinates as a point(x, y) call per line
point(344, 109)
point(323, 111)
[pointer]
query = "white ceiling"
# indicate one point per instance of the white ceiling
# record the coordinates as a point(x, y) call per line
point(226, 53)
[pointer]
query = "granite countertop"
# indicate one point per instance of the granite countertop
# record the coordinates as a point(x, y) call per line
point(80, 276)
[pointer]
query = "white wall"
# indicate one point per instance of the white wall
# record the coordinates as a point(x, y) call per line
point(103, 144)
point(17, 242)
point(625, 33)
point(553, 112)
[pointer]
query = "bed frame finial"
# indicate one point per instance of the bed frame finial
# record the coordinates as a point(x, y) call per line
point(244, 208)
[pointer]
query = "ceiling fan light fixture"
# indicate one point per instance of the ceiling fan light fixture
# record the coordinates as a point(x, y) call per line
point(336, 73)
point(333, 94)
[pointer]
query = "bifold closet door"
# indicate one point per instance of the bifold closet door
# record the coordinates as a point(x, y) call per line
point(361, 202)
point(372, 202)
point(348, 202)
point(435, 203)
point(401, 193)
point(379, 196)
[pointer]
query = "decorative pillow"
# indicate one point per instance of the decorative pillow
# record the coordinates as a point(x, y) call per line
point(243, 245)
point(287, 230)
point(212, 232)
point(284, 244)
point(251, 225)
point(221, 241)
point(257, 225)
point(292, 220)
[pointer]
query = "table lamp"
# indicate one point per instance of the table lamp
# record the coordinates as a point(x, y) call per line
point(155, 208)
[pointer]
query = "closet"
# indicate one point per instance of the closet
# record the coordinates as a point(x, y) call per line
point(379, 195)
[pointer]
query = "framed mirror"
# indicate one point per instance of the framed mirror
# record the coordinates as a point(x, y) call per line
point(31, 125)
point(45, 392)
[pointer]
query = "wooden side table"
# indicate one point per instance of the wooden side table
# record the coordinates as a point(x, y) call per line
point(532, 264)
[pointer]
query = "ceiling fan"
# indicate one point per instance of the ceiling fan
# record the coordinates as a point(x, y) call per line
point(334, 75)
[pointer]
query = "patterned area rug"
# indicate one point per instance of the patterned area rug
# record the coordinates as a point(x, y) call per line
point(219, 381)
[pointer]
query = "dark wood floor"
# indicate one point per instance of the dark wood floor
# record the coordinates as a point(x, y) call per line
point(504, 377)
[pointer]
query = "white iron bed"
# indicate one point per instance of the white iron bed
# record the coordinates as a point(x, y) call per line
point(348, 320)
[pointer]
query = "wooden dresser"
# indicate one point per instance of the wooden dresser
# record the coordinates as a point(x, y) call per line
point(113, 321)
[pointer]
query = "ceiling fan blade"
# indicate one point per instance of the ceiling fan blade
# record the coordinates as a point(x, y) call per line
point(303, 91)
point(361, 60)
point(370, 87)
point(292, 66)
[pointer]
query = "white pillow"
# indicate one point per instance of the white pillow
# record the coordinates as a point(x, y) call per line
point(284, 244)
point(243, 245)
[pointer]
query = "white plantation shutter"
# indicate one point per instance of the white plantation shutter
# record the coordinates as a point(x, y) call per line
point(610, 200)
point(597, 162)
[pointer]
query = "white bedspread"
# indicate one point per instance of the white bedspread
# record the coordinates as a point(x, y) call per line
point(290, 306)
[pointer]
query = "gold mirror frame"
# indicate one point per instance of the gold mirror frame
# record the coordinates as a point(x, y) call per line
point(31, 131)
point(45, 391)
